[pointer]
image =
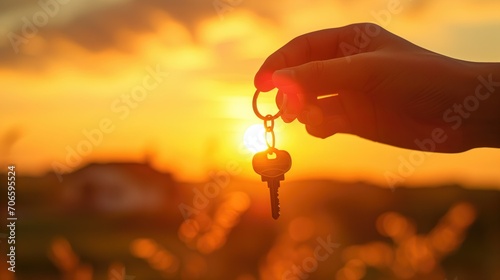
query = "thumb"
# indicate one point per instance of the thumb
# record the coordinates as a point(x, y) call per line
point(321, 77)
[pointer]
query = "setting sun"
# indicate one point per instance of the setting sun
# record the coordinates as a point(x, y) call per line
point(254, 138)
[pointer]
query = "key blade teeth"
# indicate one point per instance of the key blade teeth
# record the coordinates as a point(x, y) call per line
point(275, 202)
point(276, 211)
point(276, 215)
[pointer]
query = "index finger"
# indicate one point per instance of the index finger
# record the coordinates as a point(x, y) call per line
point(319, 45)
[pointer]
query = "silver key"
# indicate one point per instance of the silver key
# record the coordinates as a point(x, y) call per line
point(272, 165)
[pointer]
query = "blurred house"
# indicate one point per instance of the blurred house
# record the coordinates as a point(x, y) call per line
point(118, 188)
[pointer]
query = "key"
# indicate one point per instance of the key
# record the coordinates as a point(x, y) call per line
point(272, 165)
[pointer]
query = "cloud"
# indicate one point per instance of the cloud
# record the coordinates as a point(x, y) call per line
point(95, 30)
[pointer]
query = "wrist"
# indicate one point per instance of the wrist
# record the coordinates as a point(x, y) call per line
point(483, 101)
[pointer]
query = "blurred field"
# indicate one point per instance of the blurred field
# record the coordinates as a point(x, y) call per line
point(445, 232)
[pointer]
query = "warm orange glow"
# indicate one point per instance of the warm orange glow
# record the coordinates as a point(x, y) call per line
point(84, 272)
point(174, 81)
point(355, 269)
point(301, 229)
point(348, 273)
point(246, 277)
point(63, 255)
point(239, 201)
point(70, 83)
point(228, 219)
point(188, 230)
point(444, 240)
point(419, 254)
point(206, 244)
point(254, 138)
point(375, 254)
point(394, 225)
point(411, 253)
point(155, 255)
point(143, 248)
point(163, 260)
point(194, 266)
point(462, 215)
point(207, 233)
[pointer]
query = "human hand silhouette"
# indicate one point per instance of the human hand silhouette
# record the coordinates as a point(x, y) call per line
point(389, 90)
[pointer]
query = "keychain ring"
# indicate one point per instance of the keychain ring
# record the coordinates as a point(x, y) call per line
point(262, 117)
point(267, 126)
point(273, 139)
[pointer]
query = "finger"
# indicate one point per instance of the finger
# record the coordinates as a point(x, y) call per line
point(325, 118)
point(312, 115)
point(292, 107)
point(319, 45)
point(289, 112)
point(330, 125)
point(333, 119)
point(326, 76)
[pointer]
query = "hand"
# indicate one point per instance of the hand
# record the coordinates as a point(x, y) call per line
point(389, 90)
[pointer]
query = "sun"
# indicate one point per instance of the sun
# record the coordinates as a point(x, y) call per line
point(254, 138)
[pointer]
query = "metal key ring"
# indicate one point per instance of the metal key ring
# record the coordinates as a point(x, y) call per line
point(262, 117)
point(273, 139)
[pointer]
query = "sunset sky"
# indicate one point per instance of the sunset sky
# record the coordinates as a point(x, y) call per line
point(174, 79)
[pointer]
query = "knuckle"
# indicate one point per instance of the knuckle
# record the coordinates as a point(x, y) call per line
point(317, 68)
point(370, 25)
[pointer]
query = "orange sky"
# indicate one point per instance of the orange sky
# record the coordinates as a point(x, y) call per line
point(88, 66)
